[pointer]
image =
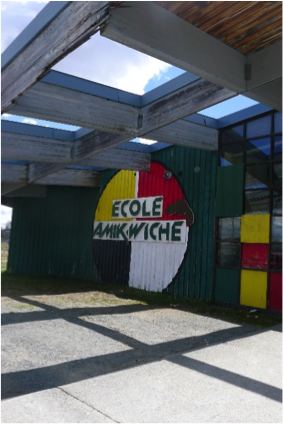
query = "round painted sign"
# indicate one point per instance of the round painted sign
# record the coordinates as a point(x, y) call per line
point(141, 229)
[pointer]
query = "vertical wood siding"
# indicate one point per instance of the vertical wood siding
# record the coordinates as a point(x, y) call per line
point(53, 235)
point(196, 172)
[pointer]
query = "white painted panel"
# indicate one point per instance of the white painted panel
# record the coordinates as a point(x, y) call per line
point(154, 265)
point(143, 207)
point(172, 232)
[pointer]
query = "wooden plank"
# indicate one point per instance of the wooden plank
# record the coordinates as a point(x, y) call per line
point(238, 26)
point(13, 173)
point(38, 170)
point(74, 177)
point(63, 105)
point(188, 134)
point(17, 175)
point(33, 148)
point(95, 143)
point(82, 149)
point(80, 20)
point(120, 159)
point(40, 149)
point(144, 27)
point(196, 96)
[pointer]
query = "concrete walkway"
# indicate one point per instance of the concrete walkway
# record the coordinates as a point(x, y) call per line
point(133, 364)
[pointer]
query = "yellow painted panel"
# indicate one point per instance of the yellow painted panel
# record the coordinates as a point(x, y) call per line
point(122, 186)
point(255, 228)
point(253, 288)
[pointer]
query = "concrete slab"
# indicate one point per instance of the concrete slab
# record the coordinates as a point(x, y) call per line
point(51, 342)
point(161, 325)
point(238, 381)
point(135, 363)
point(49, 406)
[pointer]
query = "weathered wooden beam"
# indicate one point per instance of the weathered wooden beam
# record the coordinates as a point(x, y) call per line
point(73, 177)
point(120, 159)
point(71, 28)
point(46, 150)
point(58, 104)
point(188, 134)
point(83, 148)
point(35, 149)
point(192, 98)
point(14, 173)
point(17, 174)
point(47, 101)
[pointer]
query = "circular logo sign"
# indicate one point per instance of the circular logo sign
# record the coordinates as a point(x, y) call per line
point(141, 229)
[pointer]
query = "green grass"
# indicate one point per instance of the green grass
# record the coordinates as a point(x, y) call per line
point(13, 284)
point(4, 255)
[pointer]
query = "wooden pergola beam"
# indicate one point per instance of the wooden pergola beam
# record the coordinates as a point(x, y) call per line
point(71, 28)
point(17, 175)
point(41, 149)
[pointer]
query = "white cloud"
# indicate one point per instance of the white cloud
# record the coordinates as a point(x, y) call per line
point(29, 121)
point(113, 64)
point(6, 215)
point(147, 141)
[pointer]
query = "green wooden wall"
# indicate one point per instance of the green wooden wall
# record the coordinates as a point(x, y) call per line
point(53, 235)
point(196, 171)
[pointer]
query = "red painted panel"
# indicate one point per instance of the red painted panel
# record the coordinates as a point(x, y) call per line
point(275, 291)
point(153, 184)
point(254, 255)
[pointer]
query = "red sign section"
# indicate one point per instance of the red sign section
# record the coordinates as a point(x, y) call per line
point(254, 255)
point(153, 183)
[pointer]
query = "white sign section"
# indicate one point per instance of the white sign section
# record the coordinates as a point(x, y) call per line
point(143, 207)
point(147, 231)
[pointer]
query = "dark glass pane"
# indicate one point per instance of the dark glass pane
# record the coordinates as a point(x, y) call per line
point(232, 134)
point(232, 154)
point(277, 174)
point(257, 176)
point(228, 254)
point(229, 229)
point(277, 202)
point(276, 228)
point(277, 147)
point(258, 150)
point(277, 122)
point(259, 127)
point(257, 201)
point(276, 256)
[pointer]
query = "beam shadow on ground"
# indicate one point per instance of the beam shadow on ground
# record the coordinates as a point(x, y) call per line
point(29, 381)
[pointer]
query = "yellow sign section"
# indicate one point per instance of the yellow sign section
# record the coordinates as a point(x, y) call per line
point(253, 288)
point(255, 228)
point(122, 186)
